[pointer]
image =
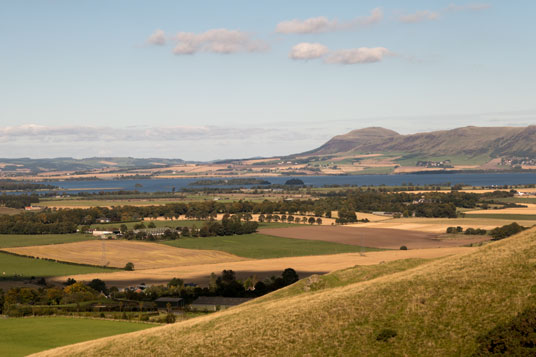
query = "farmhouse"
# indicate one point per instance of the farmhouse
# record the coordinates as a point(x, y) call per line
point(33, 208)
point(216, 303)
point(174, 303)
point(101, 233)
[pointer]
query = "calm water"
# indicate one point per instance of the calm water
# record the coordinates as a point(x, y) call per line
point(156, 185)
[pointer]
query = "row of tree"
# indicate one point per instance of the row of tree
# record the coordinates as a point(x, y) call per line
point(432, 204)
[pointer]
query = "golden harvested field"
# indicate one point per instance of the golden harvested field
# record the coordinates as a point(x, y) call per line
point(263, 268)
point(118, 253)
point(439, 225)
point(372, 237)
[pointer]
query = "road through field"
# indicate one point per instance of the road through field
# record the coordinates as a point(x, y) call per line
point(263, 268)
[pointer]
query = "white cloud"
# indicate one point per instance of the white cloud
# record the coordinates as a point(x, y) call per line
point(468, 7)
point(358, 55)
point(305, 51)
point(419, 16)
point(323, 24)
point(308, 51)
point(157, 38)
point(217, 41)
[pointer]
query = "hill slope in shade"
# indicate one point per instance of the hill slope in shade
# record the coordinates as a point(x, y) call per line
point(436, 308)
point(471, 141)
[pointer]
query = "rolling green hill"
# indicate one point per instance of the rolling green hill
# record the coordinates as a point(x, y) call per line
point(411, 308)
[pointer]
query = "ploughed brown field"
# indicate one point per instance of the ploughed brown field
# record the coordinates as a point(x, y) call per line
point(263, 268)
point(118, 253)
point(371, 237)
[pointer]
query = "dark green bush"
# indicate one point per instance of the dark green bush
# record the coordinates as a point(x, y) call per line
point(386, 334)
point(514, 338)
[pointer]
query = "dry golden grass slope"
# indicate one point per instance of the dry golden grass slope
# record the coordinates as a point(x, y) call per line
point(437, 308)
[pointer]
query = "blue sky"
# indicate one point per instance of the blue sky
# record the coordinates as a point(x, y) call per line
point(209, 80)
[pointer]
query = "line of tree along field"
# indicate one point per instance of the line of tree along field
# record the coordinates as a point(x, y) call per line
point(18, 201)
point(229, 225)
point(431, 204)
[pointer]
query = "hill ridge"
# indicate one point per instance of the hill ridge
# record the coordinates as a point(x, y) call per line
point(468, 140)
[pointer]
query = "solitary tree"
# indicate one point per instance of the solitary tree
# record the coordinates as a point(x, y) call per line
point(129, 266)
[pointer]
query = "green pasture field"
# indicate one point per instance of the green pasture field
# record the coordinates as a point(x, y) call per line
point(511, 217)
point(518, 200)
point(25, 240)
point(261, 246)
point(23, 336)
point(411, 160)
point(18, 266)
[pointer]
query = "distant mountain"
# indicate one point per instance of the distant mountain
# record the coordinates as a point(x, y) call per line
point(468, 141)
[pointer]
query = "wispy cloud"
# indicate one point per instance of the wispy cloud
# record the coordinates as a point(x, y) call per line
point(323, 24)
point(308, 51)
point(431, 15)
point(222, 41)
point(157, 38)
point(419, 16)
point(41, 133)
point(468, 7)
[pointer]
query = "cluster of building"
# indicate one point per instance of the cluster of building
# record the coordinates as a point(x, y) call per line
point(526, 161)
point(438, 164)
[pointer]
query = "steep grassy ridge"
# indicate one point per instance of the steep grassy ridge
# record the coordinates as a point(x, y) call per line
point(438, 308)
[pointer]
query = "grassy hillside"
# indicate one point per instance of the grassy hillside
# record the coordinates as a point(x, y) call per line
point(436, 309)
point(49, 332)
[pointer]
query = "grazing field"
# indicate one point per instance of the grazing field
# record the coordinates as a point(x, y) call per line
point(15, 266)
point(529, 210)
point(262, 246)
point(23, 336)
point(506, 216)
point(371, 237)
point(263, 268)
point(439, 225)
point(87, 203)
point(24, 240)
point(521, 200)
point(118, 253)
point(439, 308)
